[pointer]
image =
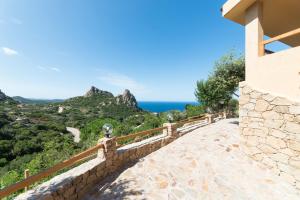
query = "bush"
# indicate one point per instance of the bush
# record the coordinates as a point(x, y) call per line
point(194, 110)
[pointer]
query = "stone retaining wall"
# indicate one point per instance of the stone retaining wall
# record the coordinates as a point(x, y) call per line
point(74, 183)
point(270, 129)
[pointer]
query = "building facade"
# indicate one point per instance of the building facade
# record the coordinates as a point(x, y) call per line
point(270, 95)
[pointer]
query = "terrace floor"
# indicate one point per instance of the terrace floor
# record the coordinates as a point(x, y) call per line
point(204, 164)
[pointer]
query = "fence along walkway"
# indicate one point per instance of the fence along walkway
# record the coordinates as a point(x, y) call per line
point(79, 157)
point(208, 163)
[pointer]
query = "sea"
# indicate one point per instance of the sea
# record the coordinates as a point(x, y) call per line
point(163, 106)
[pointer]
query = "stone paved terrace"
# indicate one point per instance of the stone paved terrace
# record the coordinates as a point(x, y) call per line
point(207, 163)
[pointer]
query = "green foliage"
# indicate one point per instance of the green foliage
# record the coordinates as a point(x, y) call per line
point(9, 178)
point(34, 136)
point(194, 110)
point(233, 107)
point(216, 92)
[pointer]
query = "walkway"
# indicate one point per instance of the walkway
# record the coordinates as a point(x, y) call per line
point(204, 164)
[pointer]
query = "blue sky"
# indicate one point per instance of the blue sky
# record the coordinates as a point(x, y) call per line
point(156, 48)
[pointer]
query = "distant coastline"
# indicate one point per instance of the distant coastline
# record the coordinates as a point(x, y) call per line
point(163, 106)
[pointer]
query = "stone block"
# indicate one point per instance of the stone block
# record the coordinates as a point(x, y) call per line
point(271, 115)
point(267, 149)
point(269, 162)
point(298, 185)
point(295, 145)
point(252, 140)
point(69, 192)
point(295, 110)
point(285, 168)
point(288, 152)
point(268, 97)
point(254, 114)
point(258, 157)
point(278, 133)
point(244, 99)
point(248, 106)
point(275, 142)
point(248, 131)
point(255, 125)
point(280, 101)
point(296, 173)
point(255, 94)
point(288, 178)
point(77, 180)
point(261, 105)
point(292, 127)
point(280, 157)
point(288, 117)
point(251, 150)
point(246, 90)
point(281, 109)
point(295, 163)
point(271, 123)
point(92, 178)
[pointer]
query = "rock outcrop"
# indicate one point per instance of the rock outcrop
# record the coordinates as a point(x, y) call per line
point(2, 96)
point(127, 98)
point(95, 91)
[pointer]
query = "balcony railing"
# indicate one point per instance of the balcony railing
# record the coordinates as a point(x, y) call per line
point(275, 39)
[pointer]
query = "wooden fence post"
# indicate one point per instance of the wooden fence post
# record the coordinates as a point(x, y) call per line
point(224, 115)
point(26, 175)
point(209, 118)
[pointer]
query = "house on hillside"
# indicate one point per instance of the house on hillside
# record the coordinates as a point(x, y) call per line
point(270, 95)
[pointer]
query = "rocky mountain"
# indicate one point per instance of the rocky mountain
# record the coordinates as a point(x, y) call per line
point(2, 96)
point(97, 103)
point(127, 98)
point(95, 91)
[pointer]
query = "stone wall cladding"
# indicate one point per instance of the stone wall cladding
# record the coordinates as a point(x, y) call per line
point(74, 183)
point(270, 129)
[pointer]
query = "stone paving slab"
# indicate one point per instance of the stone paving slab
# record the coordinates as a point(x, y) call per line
point(205, 164)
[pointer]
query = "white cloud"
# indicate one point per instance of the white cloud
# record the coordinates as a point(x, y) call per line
point(16, 21)
point(41, 68)
point(121, 81)
point(55, 69)
point(9, 52)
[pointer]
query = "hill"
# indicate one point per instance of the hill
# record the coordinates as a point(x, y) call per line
point(34, 135)
point(35, 101)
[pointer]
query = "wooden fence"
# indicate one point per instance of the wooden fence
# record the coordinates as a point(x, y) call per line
point(30, 180)
point(48, 172)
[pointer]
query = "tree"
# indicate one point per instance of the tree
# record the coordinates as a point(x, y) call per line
point(216, 92)
point(229, 71)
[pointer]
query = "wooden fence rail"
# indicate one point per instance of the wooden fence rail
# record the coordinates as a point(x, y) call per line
point(37, 177)
point(138, 134)
point(182, 122)
point(83, 156)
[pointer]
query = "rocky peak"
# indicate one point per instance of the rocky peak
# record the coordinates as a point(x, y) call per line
point(127, 98)
point(2, 96)
point(95, 91)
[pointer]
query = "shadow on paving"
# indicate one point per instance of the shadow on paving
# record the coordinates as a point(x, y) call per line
point(107, 189)
point(235, 122)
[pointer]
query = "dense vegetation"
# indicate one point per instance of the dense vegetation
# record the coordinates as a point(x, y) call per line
point(218, 91)
point(34, 136)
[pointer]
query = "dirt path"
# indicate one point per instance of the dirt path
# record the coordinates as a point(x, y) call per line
point(75, 132)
